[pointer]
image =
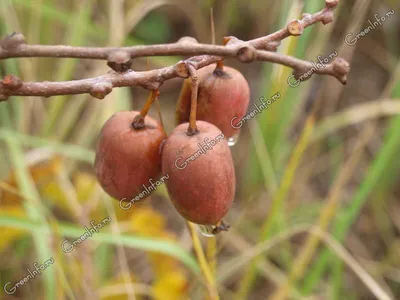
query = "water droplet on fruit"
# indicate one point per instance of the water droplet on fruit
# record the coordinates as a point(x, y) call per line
point(206, 230)
point(233, 139)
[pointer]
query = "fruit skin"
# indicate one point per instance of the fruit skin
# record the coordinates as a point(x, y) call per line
point(202, 190)
point(222, 95)
point(127, 158)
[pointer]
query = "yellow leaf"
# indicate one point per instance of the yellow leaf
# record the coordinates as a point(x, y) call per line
point(42, 174)
point(9, 234)
point(84, 185)
point(73, 269)
point(55, 194)
point(171, 286)
point(161, 263)
point(147, 222)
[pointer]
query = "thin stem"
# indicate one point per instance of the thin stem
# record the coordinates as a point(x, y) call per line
point(212, 253)
point(220, 65)
point(149, 102)
point(212, 26)
point(193, 103)
point(159, 113)
point(138, 121)
point(204, 266)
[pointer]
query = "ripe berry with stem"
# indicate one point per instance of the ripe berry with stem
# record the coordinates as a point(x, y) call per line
point(128, 152)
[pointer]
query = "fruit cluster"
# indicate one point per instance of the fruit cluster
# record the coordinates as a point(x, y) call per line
point(133, 149)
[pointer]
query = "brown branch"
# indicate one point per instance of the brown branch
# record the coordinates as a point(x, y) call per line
point(101, 86)
point(14, 46)
point(119, 59)
point(273, 40)
point(179, 48)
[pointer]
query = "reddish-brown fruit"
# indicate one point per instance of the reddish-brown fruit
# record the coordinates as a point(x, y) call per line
point(223, 95)
point(201, 174)
point(127, 158)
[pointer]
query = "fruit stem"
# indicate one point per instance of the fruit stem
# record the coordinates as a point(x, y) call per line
point(192, 129)
point(138, 121)
point(149, 102)
point(220, 65)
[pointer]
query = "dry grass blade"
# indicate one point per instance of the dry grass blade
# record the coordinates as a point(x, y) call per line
point(233, 265)
point(309, 249)
point(278, 200)
point(204, 265)
point(355, 115)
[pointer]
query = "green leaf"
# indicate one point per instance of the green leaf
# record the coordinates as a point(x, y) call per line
point(141, 243)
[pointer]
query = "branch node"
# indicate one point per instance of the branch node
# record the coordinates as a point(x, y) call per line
point(11, 82)
point(187, 40)
point(295, 27)
point(182, 69)
point(341, 66)
point(231, 40)
point(331, 3)
point(119, 60)
point(328, 17)
point(246, 54)
point(152, 85)
point(227, 39)
point(273, 46)
point(101, 90)
point(343, 79)
point(12, 41)
point(193, 74)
